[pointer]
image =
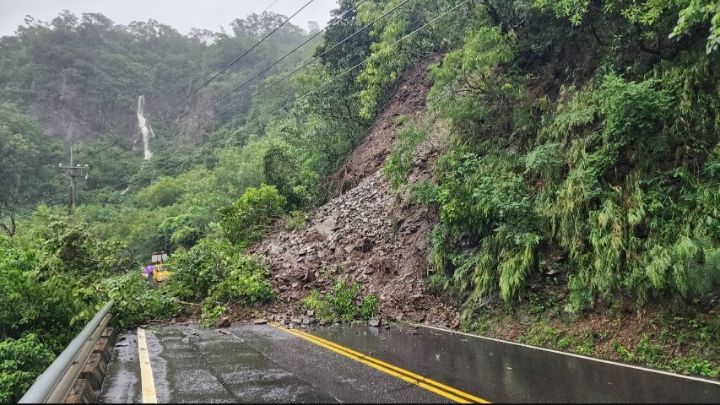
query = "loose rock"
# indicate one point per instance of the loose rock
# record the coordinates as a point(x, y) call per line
point(365, 233)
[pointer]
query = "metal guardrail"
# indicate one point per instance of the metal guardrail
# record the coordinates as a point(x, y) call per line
point(54, 384)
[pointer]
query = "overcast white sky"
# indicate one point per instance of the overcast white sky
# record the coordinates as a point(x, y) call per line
point(180, 14)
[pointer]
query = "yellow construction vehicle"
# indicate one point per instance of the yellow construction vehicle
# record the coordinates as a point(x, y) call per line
point(160, 271)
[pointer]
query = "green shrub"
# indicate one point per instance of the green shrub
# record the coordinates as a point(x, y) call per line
point(283, 171)
point(71, 248)
point(21, 361)
point(19, 291)
point(485, 199)
point(342, 302)
point(196, 271)
point(369, 306)
point(218, 273)
point(564, 343)
point(696, 365)
point(178, 231)
point(166, 191)
point(212, 313)
point(316, 302)
point(246, 283)
point(137, 301)
point(52, 307)
point(634, 115)
point(425, 192)
point(295, 220)
point(615, 177)
point(696, 13)
point(469, 90)
point(399, 164)
point(249, 218)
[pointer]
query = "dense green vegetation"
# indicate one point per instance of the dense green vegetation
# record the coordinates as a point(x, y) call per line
point(584, 153)
point(343, 302)
point(47, 275)
point(217, 182)
point(583, 141)
point(612, 163)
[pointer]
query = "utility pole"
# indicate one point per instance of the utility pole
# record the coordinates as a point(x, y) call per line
point(73, 171)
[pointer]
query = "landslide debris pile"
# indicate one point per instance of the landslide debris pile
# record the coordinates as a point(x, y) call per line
point(367, 234)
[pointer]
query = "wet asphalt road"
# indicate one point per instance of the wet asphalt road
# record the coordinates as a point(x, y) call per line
point(504, 372)
point(247, 364)
point(260, 363)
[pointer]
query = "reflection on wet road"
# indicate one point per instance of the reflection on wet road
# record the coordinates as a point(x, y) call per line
point(262, 363)
point(505, 372)
point(248, 364)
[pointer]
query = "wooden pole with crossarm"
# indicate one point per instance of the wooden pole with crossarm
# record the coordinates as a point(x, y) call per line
point(73, 171)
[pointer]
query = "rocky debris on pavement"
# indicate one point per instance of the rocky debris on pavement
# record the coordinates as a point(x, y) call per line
point(224, 322)
point(375, 241)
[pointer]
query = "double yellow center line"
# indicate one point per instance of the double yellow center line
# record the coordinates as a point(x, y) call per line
point(405, 375)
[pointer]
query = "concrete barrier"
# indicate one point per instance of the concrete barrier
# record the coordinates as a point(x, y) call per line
point(81, 393)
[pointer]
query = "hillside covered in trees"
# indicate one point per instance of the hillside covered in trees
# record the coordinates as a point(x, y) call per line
point(564, 167)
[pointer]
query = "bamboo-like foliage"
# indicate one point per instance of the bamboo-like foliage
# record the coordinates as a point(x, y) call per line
point(619, 171)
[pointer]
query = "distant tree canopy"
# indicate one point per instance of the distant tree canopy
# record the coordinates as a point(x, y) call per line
point(81, 76)
point(26, 175)
point(76, 80)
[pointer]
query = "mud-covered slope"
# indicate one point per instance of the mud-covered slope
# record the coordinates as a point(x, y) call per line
point(367, 234)
point(368, 157)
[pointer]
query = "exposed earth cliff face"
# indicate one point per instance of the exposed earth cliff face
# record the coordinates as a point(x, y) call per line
point(369, 156)
point(366, 233)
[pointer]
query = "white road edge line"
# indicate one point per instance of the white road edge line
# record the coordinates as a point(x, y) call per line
point(705, 380)
point(146, 377)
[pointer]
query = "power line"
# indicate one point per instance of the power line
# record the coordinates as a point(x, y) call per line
point(337, 77)
point(268, 7)
point(364, 61)
point(237, 59)
point(163, 115)
point(354, 9)
point(163, 118)
point(293, 72)
point(184, 118)
point(213, 77)
point(283, 58)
